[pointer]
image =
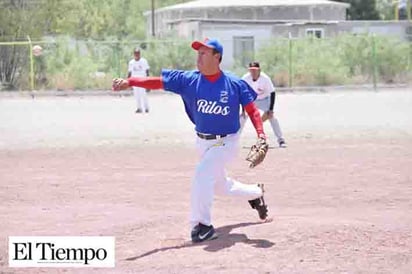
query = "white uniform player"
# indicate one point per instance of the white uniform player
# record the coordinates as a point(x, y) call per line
point(139, 67)
point(265, 101)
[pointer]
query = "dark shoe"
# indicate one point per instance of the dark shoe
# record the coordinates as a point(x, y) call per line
point(202, 233)
point(259, 205)
point(195, 231)
point(147, 111)
point(283, 144)
point(138, 110)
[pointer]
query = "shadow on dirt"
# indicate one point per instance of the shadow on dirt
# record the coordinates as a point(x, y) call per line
point(225, 240)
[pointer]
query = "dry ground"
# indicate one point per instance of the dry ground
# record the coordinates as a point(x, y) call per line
point(340, 194)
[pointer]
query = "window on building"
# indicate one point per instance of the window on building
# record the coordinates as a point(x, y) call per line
point(243, 49)
point(318, 33)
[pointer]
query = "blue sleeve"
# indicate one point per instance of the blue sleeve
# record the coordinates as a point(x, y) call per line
point(174, 80)
point(247, 94)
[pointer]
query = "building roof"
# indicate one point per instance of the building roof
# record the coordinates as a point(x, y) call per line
point(255, 22)
point(198, 4)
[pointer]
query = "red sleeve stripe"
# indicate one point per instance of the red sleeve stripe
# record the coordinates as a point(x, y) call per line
point(254, 115)
point(146, 82)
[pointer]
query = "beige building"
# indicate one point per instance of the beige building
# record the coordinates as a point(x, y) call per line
point(244, 25)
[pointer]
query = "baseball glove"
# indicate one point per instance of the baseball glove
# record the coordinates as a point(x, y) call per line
point(257, 152)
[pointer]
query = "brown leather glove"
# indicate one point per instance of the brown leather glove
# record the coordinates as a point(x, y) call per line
point(257, 152)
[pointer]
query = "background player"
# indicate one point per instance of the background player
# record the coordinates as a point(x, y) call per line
point(139, 66)
point(212, 99)
point(265, 101)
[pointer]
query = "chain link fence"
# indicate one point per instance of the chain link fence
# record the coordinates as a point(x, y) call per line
point(67, 64)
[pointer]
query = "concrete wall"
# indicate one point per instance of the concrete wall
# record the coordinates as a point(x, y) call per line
point(263, 33)
point(226, 33)
point(265, 23)
point(306, 13)
point(299, 31)
point(400, 29)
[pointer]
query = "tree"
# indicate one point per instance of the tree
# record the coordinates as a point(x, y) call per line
point(80, 19)
point(362, 9)
point(18, 19)
point(386, 9)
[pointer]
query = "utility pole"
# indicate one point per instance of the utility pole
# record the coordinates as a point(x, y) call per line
point(153, 18)
point(396, 11)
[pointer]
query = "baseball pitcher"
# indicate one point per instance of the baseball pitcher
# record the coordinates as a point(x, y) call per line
point(212, 100)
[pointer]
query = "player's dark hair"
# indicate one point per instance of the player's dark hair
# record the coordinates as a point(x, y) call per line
point(216, 52)
point(254, 65)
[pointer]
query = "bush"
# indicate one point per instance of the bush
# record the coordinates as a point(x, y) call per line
point(68, 64)
point(346, 59)
point(393, 59)
point(173, 54)
point(68, 67)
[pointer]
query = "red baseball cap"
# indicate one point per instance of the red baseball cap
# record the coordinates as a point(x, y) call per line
point(209, 43)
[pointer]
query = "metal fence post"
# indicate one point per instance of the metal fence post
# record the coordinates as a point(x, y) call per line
point(117, 58)
point(396, 12)
point(409, 56)
point(374, 62)
point(290, 61)
point(31, 64)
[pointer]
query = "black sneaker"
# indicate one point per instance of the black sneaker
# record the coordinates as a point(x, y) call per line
point(138, 110)
point(283, 144)
point(259, 205)
point(195, 231)
point(202, 233)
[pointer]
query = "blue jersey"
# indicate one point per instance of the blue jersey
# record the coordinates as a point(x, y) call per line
point(212, 107)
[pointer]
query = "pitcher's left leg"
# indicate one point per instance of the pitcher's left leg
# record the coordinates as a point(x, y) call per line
point(228, 186)
point(253, 192)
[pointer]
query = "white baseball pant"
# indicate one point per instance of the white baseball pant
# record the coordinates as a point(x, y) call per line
point(141, 99)
point(263, 104)
point(210, 177)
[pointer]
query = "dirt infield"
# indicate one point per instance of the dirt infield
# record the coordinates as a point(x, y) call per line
point(340, 194)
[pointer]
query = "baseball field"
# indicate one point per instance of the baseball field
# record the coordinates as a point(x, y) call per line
point(340, 195)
